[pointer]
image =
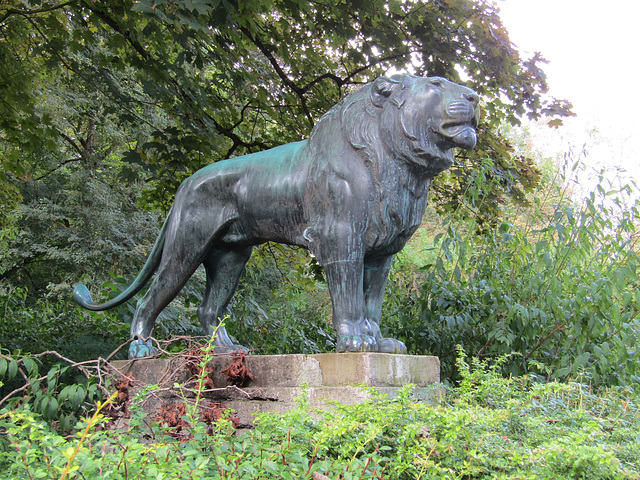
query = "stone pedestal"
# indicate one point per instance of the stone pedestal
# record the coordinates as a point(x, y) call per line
point(279, 379)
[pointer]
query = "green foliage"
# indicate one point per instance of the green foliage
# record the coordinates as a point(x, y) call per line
point(489, 427)
point(479, 185)
point(280, 307)
point(561, 290)
point(56, 325)
point(58, 394)
point(214, 79)
point(72, 224)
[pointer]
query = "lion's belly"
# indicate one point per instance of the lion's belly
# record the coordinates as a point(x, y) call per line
point(263, 226)
point(268, 198)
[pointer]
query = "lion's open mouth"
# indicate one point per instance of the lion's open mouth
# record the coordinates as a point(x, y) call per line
point(460, 134)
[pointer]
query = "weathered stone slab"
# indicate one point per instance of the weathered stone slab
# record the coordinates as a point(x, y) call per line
point(280, 379)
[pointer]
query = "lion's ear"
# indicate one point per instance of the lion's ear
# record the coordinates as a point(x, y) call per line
point(382, 89)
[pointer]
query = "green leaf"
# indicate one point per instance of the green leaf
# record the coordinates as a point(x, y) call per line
point(65, 392)
point(52, 409)
point(562, 372)
point(271, 467)
point(30, 365)
point(143, 7)
point(52, 378)
point(77, 398)
point(65, 423)
point(36, 387)
point(44, 404)
point(581, 360)
point(12, 370)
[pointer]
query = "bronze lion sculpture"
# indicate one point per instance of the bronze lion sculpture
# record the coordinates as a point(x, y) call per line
point(353, 194)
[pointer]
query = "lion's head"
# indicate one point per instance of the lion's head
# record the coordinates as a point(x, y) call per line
point(414, 119)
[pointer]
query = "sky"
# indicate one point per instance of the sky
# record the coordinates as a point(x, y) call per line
point(593, 50)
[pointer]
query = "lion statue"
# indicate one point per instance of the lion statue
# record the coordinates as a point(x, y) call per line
point(352, 194)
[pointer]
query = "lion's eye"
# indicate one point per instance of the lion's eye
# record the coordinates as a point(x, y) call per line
point(438, 82)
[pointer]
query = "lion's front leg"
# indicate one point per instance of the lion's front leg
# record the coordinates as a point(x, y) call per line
point(337, 240)
point(345, 281)
point(376, 274)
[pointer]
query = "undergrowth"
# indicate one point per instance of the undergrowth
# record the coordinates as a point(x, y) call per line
point(559, 284)
point(488, 427)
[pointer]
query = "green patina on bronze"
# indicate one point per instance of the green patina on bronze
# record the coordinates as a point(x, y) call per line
point(353, 194)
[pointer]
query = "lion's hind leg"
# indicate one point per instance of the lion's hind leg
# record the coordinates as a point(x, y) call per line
point(224, 268)
point(186, 246)
point(171, 277)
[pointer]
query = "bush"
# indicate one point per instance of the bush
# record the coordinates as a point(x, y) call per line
point(60, 396)
point(490, 427)
point(561, 289)
point(54, 324)
point(282, 304)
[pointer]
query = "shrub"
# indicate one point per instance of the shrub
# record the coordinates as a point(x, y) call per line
point(489, 427)
point(55, 324)
point(562, 290)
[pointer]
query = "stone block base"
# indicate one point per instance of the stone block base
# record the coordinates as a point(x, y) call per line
point(279, 379)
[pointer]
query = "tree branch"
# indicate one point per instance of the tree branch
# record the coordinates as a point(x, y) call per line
point(300, 92)
point(14, 269)
point(125, 33)
point(44, 37)
point(72, 142)
point(239, 122)
point(557, 328)
point(235, 138)
point(60, 165)
point(272, 60)
point(343, 81)
point(14, 11)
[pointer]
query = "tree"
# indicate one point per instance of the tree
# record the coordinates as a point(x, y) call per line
point(233, 77)
point(109, 105)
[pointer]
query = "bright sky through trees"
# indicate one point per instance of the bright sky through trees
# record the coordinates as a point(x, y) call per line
point(592, 48)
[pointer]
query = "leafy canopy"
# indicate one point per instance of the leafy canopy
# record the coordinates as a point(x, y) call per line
point(229, 77)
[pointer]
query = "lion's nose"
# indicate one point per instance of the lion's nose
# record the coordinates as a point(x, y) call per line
point(472, 97)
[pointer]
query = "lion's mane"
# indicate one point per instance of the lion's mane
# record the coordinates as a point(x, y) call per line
point(378, 122)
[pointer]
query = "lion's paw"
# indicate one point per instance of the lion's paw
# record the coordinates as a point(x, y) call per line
point(142, 348)
point(223, 344)
point(356, 343)
point(391, 345)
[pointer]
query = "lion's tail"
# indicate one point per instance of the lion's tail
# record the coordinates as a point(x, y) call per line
point(82, 295)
